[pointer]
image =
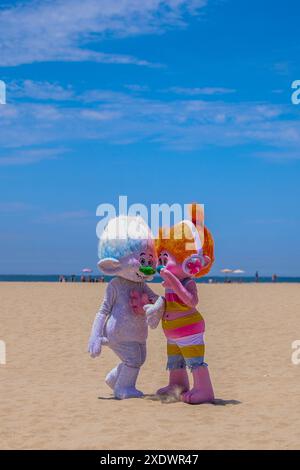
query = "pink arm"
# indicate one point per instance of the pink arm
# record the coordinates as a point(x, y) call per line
point(188, 294)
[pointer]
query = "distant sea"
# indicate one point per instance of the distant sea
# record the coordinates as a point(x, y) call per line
point(68, 277)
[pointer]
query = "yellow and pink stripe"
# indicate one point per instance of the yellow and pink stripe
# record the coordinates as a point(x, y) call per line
point(189, 320)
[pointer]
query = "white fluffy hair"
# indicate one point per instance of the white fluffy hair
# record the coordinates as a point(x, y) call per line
point(122, 236)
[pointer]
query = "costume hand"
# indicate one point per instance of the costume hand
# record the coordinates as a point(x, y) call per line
point(154, 312)
point(137, 301)
point(95, 345)
point(168, 278)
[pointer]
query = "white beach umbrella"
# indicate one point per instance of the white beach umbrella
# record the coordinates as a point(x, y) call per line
point(87, 270)
point(238, 271)
point(226, 271)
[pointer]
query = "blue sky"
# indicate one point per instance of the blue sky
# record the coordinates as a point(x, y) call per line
point(162, 101)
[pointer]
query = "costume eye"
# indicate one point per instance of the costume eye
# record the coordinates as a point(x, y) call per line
point(142, 261)
point(160, 261)
point(150, 262)
point(165, 261)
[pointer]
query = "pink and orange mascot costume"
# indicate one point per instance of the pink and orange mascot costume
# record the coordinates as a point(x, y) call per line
point(185, 251)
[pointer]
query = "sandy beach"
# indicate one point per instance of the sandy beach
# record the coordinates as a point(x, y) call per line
point(53, 394)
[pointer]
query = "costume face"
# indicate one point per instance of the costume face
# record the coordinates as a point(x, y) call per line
point(127, 250)
point(147, 260)
point(167, 261)
point(138, 266)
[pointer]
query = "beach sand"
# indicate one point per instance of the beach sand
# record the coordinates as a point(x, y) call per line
point(53, 395)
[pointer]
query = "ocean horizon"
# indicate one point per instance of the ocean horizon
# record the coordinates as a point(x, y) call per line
point(98, 277)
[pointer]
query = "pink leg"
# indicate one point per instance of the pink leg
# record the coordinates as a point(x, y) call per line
point(202, 391)
point(178, 383)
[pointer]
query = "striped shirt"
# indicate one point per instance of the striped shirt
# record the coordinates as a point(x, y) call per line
point(179, 319)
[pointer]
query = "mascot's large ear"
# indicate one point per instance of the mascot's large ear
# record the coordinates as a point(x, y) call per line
point(109, 266)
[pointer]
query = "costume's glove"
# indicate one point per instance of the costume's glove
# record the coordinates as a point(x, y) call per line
point(154, 312)
point(97, 339)
point(95, 345)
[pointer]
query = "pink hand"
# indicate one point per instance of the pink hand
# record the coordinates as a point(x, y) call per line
point(168, 277)
point(172, 282)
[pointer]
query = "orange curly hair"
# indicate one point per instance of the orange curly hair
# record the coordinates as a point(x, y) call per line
point(181, 246)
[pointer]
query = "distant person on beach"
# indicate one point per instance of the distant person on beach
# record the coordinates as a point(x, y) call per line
point(256, 277)
point(274, 277)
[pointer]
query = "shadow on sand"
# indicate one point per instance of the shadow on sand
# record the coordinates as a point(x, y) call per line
point(168, 399)
point(221, 402)
point(107, 398)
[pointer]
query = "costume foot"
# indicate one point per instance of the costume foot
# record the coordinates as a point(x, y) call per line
point(125, 384)
point(174, 389)
point(112, 376)
point(131, 392)
point(197, 396)
point(178, 383)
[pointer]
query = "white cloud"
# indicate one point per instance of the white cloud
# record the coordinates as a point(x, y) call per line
point(40, 91)
point(66, 30)
point(13, 207)
point(31, 130)
point(67, 216)
point(33, 155)
point(137, 88)
point(100, 115)
point(282, 68)
point(205, 91)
